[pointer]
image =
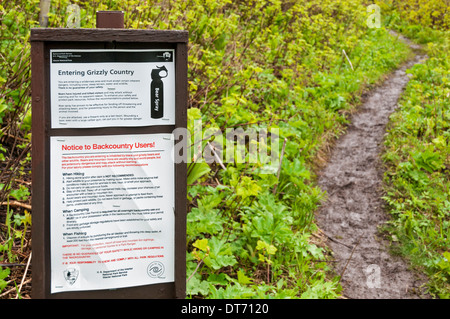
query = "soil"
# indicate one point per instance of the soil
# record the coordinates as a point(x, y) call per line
point(354, 209)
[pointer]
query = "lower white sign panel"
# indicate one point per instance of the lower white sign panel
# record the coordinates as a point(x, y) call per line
point(112, 211)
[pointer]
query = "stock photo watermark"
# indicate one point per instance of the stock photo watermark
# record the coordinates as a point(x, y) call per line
point(73, 16)
point(235, 145)
point(373, 273)
point(374, 18)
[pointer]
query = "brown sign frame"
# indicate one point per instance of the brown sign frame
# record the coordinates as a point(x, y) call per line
point(42, 41)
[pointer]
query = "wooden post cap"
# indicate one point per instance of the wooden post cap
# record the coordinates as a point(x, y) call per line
point(110, 19)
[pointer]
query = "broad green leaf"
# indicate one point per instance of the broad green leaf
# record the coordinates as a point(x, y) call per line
point(220, 255)
point(204, 221)
point(247, 187)
point(197, 286)
point(243, 279)
point(3, 274)
point(197, 171)
point(201, 244)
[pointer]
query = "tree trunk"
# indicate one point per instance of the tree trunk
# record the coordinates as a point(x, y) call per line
point(43, 15)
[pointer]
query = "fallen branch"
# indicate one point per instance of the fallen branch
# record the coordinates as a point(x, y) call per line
point(11, 265)
point(338, 242)
point(351, 65)
point(198, 266)
point(16, 204)
point(216, 156)
point(351, 255)
point(14, 288)
point(24, 276)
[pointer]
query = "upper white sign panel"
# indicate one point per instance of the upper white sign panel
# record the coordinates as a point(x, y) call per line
point(107, 88)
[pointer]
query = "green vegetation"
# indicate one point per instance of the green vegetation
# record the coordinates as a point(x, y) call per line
point(16, 19)
point(418, 151)
point(299, 67)
point(237, 228)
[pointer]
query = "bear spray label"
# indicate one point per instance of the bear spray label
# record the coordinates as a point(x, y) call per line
point(157, 92)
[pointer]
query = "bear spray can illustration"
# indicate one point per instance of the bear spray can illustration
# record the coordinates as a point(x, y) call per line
point(157, 92)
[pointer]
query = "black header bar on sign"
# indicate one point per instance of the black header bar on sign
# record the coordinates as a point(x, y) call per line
point(111, 56)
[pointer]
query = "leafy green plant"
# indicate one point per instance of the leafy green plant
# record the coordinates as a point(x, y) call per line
point(196, 171)
point(265, 251)
point(21, 193)
point(4, 273)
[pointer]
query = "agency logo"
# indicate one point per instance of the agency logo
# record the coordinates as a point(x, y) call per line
point(155, 269)
point(166, 56)
point(71, 275)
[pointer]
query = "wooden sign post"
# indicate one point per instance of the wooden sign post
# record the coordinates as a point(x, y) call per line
point(109, 200)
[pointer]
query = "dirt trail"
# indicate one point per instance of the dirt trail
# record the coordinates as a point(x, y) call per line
point(354, 209)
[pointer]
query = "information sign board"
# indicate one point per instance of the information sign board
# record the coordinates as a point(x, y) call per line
point(109, 200)
point(112, 223)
